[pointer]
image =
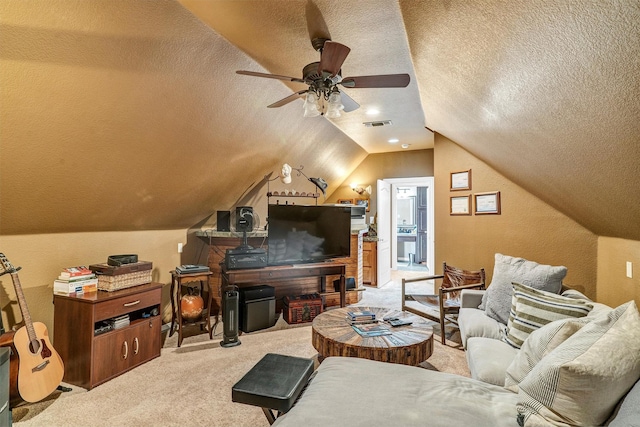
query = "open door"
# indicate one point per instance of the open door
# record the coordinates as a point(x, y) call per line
point(384, 233)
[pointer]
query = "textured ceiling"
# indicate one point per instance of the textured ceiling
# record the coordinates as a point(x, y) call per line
point(545, 92)
point(113, 106)
point(275, 34)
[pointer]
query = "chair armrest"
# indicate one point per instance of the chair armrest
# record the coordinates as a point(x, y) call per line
point(420, 279)
point(460, 288)
point(471, 298)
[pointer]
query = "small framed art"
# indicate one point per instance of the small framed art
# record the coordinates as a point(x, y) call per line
point(363, 202)
point(487, 203)
point(460, 205)
point(345, 201)
point(461, 180)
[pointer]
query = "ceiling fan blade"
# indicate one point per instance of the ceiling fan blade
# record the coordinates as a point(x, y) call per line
point(333, 55)
point(270, 76)
point(316, 26)
point(348, 102)
point(382, 80)
point(288, 99)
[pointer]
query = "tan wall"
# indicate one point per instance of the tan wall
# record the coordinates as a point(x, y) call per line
point(527, 227)
point(614, 287)
point(404, 164)
point(42, 257)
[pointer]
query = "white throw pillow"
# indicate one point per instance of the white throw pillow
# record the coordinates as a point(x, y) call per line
point(582, 380)
point(540, 343)
point(532, 308)
point(496, 301)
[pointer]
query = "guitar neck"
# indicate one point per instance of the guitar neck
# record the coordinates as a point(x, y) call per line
point(22, 302)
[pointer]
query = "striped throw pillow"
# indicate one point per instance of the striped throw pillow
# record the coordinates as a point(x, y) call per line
point(533, 308)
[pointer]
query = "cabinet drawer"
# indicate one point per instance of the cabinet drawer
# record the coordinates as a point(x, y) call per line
point(126, 304)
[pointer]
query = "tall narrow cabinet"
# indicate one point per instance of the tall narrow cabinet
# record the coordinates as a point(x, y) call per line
point(370, 263)
point(92, 357)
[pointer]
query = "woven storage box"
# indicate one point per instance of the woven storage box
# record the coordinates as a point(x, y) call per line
point(302, 308)
point(122, 281)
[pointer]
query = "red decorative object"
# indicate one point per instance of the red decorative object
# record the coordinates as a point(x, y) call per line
point(191, 305)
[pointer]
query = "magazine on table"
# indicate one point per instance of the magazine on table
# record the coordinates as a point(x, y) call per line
point(372, 330)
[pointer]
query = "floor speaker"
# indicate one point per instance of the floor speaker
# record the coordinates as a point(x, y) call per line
point(224, 221)
point(230, 316)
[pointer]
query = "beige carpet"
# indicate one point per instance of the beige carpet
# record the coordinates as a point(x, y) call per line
point(191, 385)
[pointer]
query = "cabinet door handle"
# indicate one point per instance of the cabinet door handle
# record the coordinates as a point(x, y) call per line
point(125, 348)
point(129, 304)
point(136, 345)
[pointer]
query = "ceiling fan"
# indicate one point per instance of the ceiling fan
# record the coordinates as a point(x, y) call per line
point(323, 97)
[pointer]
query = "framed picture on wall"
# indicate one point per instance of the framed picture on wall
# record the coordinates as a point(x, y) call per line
point(487, 203)
point(461, 180)
point(460, 205)
point(363, 202)
point(345, 201)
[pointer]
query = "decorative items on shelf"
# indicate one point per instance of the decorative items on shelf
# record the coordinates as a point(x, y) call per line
point(285, 177)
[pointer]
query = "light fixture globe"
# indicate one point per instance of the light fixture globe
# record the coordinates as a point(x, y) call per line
point(310, 106)
point(335, 104)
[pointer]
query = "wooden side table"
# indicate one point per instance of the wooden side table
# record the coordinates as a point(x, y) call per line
point(177, 282)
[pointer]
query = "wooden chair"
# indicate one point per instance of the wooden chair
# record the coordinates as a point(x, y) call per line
point(447, 301)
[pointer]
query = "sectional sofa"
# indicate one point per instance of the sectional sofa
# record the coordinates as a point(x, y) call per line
point(577, 369)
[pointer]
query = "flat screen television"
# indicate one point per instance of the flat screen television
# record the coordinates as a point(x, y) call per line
point(305, 234)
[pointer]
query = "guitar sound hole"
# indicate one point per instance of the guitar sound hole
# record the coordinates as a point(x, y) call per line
point(34, 346)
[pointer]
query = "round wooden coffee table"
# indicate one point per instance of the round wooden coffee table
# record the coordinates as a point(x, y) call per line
point(333, 335)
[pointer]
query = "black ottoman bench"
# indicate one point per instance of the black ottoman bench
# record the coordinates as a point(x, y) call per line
point(275, 382)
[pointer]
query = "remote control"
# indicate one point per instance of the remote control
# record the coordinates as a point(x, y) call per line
point(399, 322)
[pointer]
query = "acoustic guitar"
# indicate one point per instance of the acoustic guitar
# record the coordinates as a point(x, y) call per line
point(40, 368)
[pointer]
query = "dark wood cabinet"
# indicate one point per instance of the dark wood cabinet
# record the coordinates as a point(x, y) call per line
point(91, 359)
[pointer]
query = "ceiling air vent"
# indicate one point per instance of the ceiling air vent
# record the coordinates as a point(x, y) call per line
point(377, 124)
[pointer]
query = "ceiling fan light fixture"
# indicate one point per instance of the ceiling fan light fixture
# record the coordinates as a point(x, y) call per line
point(310, 106)
point(335, 105)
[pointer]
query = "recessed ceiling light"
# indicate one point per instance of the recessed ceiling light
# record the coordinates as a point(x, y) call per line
point(393, 140)
point(373, 112)
point(405, 145)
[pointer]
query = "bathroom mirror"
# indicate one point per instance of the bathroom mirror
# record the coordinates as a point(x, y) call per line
point(406, 211)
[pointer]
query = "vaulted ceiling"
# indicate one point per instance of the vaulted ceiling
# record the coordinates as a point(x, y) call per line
point(132, 110)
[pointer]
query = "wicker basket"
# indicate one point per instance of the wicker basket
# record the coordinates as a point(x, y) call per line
point(123, 281)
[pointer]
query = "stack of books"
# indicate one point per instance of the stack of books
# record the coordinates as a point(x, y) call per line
point(364, 316)
point(75, 280)
point(120, 321)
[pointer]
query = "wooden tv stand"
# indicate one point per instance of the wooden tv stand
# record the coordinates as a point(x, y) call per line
point(279, 273)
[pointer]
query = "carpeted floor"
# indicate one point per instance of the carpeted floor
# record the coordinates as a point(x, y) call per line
point(191, 385)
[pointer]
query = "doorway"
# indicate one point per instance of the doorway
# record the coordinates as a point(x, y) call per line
point(411, 214)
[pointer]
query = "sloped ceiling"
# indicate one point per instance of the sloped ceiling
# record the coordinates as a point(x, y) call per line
point(129, 115)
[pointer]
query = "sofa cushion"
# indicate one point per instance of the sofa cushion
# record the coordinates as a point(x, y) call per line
point(351, 391)
point(474, 322)
point(581, 381)
point(532, 308)
point(497, 300)
point(539, 344)
point(627, 413)
point(488, 359)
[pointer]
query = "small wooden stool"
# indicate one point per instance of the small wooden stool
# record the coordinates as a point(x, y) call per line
point(275, 382)
point(177, 281)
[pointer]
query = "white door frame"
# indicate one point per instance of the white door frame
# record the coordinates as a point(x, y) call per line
point(426, 181)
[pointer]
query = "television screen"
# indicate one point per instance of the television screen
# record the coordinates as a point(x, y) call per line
point(302, 234)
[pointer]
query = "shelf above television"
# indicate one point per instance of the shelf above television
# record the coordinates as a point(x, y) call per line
point(289, 194)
